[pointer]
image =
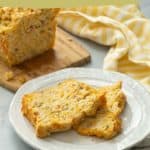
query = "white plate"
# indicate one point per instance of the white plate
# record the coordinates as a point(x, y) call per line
point(136, 117)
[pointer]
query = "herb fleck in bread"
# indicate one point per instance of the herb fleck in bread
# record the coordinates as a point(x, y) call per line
point(25, 33)
point(60, 107)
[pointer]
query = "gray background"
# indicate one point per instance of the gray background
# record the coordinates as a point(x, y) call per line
point(8, 138)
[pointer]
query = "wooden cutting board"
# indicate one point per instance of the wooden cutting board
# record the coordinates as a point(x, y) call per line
point(66, 52)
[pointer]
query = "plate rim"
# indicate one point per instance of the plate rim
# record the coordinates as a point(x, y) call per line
point(69, 70)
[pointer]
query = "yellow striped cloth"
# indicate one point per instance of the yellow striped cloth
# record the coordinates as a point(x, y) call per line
point(124, 29)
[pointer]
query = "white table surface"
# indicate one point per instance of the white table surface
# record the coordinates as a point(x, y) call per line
point(8, 138)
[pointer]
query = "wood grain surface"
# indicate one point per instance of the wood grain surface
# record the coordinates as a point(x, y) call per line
point(66, 52)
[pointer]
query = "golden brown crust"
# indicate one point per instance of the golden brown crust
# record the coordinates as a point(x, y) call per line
point(28, 112)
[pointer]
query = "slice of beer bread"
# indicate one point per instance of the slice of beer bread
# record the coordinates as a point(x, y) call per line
point(60, 107)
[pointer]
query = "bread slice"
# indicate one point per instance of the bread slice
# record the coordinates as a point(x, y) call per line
point(104, 125)
point(107, 123)
point(60, 107)
point(25, 33)
point(114, 98)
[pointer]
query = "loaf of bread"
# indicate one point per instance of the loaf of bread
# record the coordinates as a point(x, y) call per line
point(25, 33)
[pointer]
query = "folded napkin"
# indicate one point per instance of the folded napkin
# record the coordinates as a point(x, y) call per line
point(124, 29)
